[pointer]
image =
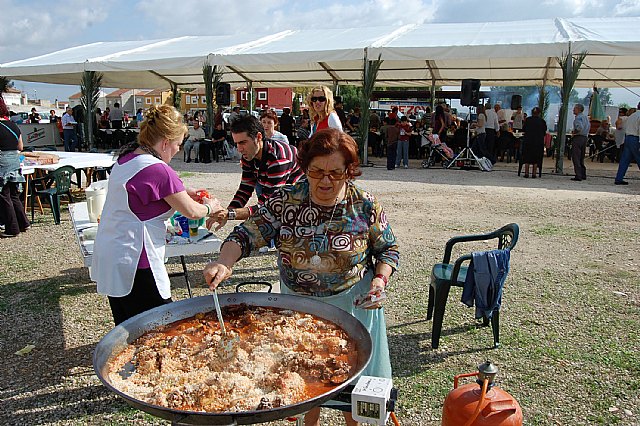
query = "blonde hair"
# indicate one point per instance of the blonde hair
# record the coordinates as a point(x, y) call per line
point(328, 106)
point(161, 122)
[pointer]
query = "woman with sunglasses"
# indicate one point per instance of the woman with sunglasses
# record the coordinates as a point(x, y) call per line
point(333, 238)
point(322, 110)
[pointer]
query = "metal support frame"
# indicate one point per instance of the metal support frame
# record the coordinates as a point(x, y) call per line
point(184, 274)
point(467, 153)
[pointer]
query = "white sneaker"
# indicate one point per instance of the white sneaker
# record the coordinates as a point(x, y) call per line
point(263, 250)
point(406, 167)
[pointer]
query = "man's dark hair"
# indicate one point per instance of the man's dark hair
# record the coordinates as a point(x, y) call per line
point(247, 124)
point(116, 105)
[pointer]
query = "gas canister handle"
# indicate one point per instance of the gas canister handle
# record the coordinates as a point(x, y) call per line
point(497, 407)
point(458, 376)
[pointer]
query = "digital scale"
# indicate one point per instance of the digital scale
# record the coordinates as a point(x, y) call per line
point(372, 400)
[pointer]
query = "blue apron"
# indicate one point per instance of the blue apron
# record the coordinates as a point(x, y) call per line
point(372, 319)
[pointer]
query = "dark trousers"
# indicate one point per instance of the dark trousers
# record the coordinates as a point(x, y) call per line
point(144, 296)
point(490, 145)
point(12, 213)
point(391, 155)
point(70, 140)
point(630, 153)
point(578, 151)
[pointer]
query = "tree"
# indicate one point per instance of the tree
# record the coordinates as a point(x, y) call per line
point(350, 96)
point(5, 84)
point(90, 89)
point(212, 77)
point(570, 66)
point(295, 110)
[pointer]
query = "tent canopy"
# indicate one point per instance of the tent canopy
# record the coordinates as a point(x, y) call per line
point(497, 53)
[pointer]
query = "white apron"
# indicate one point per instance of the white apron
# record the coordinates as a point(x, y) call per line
point(118, 243)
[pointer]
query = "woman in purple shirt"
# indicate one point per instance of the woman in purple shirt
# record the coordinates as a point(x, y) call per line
point(144, 191)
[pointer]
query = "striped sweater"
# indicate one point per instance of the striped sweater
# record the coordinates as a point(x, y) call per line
point(277, 167)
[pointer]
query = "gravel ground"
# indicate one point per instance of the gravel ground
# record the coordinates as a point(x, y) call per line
point(569, 323)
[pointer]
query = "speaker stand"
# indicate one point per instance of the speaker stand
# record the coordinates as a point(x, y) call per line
point(467, 155)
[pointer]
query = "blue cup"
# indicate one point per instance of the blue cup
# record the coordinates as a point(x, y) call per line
point(184, 225)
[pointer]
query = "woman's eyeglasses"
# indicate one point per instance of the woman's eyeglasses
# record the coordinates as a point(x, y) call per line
point(318, 99)
point(320, 174)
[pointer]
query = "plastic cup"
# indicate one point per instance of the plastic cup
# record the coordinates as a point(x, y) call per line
point(194, 224)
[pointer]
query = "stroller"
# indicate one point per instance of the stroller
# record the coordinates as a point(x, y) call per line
point(436, 151)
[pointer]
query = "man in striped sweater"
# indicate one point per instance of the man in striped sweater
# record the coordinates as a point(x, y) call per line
point(267, 165)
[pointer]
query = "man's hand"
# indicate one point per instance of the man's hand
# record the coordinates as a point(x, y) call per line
point(215, 273)
point(221, 217)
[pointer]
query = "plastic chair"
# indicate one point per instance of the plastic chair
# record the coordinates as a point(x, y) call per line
point(446, 275)
point(54, 185)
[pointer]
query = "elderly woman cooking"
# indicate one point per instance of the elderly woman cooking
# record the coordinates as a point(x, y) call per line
point(333, 238)
point(144, 191)
point(322, 111)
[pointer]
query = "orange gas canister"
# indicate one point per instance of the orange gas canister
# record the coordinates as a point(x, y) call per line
point(480, 403)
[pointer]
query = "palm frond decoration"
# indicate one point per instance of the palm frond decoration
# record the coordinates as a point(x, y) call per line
point(369, 75)
point(212, 76)
point(175, 97)
point(570, 65)
point(543, 101)
point(90, 90)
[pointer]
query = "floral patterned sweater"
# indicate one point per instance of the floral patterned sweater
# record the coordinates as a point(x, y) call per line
point(347, 243)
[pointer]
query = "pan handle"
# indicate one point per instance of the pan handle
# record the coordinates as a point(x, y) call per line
point(264, 283)
point(186, 420)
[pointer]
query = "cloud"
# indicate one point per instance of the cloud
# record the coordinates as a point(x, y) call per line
point(39, 28)
point(258, 17)
point(627, 8)
point(509, 10)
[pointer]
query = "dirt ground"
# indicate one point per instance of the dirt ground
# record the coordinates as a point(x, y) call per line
point(569, 323)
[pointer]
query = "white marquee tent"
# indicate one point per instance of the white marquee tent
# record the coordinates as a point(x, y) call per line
point(497, 53)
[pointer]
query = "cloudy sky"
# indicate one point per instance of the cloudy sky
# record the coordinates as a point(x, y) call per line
point(33, 27)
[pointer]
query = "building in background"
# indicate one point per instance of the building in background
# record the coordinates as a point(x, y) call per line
point(155, 97)
point(193, 100)
point(75, 99)
point(12, 96)
point(124, 97)
point(275, 97)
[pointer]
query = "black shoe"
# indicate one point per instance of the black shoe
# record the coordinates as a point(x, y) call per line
point(622, 182)
point(576, 179)
point(188, 160)
point(197, 161)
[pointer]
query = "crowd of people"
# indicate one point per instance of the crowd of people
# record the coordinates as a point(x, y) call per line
point(333, 240)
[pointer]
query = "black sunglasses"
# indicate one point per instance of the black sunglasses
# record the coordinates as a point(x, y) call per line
point(318, 99)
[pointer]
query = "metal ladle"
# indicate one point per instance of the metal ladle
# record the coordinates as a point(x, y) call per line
point(227, 344)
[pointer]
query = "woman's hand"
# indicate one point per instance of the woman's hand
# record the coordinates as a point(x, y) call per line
point(215, 273)
point(214, 205)
point(376, 291)
point(192, 192)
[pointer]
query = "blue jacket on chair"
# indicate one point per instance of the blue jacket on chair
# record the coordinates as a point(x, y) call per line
point(486, 275)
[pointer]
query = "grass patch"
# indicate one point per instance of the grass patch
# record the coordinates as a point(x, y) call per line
point(186, 174)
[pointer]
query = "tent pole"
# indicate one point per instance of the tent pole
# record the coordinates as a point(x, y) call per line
point(369, 75)
point(433, 95)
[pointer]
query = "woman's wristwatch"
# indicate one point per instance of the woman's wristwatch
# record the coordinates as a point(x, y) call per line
point(231, 214)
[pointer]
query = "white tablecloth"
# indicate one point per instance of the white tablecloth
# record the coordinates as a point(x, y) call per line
point(80, 222)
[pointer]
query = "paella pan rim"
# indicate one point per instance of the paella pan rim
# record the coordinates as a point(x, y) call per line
point(116, 339)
